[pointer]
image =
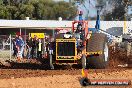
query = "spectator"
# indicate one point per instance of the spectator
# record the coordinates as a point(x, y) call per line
point(14, 48)
point(20, 47)
point(51, 48)
point(17, 40)
point(34, 47)
point(29, 47)
point(39, 47)
point(32, 50)
point(16, 37)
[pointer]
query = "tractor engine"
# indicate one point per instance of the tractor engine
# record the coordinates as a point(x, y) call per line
point(65, 48)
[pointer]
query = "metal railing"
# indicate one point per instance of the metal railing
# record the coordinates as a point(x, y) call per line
point(5, 46)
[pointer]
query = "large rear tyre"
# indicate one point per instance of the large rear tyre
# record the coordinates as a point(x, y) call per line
point(97, 42)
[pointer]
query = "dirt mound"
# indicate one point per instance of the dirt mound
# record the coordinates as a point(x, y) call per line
point(118, 56)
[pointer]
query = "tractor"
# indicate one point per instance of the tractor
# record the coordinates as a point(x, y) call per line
point(80, 46)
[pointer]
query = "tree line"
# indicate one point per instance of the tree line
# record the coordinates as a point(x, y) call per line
point(36, 9)
point(118, 10)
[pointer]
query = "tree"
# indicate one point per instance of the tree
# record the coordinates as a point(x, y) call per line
point(118, 11)
point(36, 9)
point(4, 13)
point(60, 10)
point(101, 2)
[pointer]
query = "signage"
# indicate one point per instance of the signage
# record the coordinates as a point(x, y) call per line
point(39, 35)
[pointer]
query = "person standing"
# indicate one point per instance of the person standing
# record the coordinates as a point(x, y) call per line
point(51, 47)
point(21, 47)
point(29, 47)
point(14, 48)
point(39, 52)
point(32, 50)
point(17, 40)
point(35, 42)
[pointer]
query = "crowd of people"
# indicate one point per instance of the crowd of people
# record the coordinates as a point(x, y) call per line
point(32, 46)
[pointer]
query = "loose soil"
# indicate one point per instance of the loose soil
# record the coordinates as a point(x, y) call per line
point(35, 76)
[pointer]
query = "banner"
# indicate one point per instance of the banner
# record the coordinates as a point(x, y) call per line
point(39, 35)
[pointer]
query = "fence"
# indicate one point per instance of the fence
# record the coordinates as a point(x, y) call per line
point(5, 46)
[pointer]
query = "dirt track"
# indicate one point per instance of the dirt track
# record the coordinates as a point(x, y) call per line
point(20, 78)
point(22, 73)
point(33, 76)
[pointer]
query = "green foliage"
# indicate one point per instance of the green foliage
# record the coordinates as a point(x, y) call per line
point(101, 2)
point(36, 9)
point(118, 13)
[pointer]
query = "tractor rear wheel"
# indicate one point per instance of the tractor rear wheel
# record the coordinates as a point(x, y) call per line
point(97, 42)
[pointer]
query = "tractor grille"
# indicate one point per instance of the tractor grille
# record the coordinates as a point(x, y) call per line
point(66, 48)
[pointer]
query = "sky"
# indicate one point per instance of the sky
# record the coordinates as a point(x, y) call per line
point(130, 10)
point(90, 7)
point(66, 0)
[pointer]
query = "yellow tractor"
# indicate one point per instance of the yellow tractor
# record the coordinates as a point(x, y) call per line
point(80, 46)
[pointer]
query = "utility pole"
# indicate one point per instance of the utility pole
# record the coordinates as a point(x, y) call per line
point(99, 8)
point(126, 3)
